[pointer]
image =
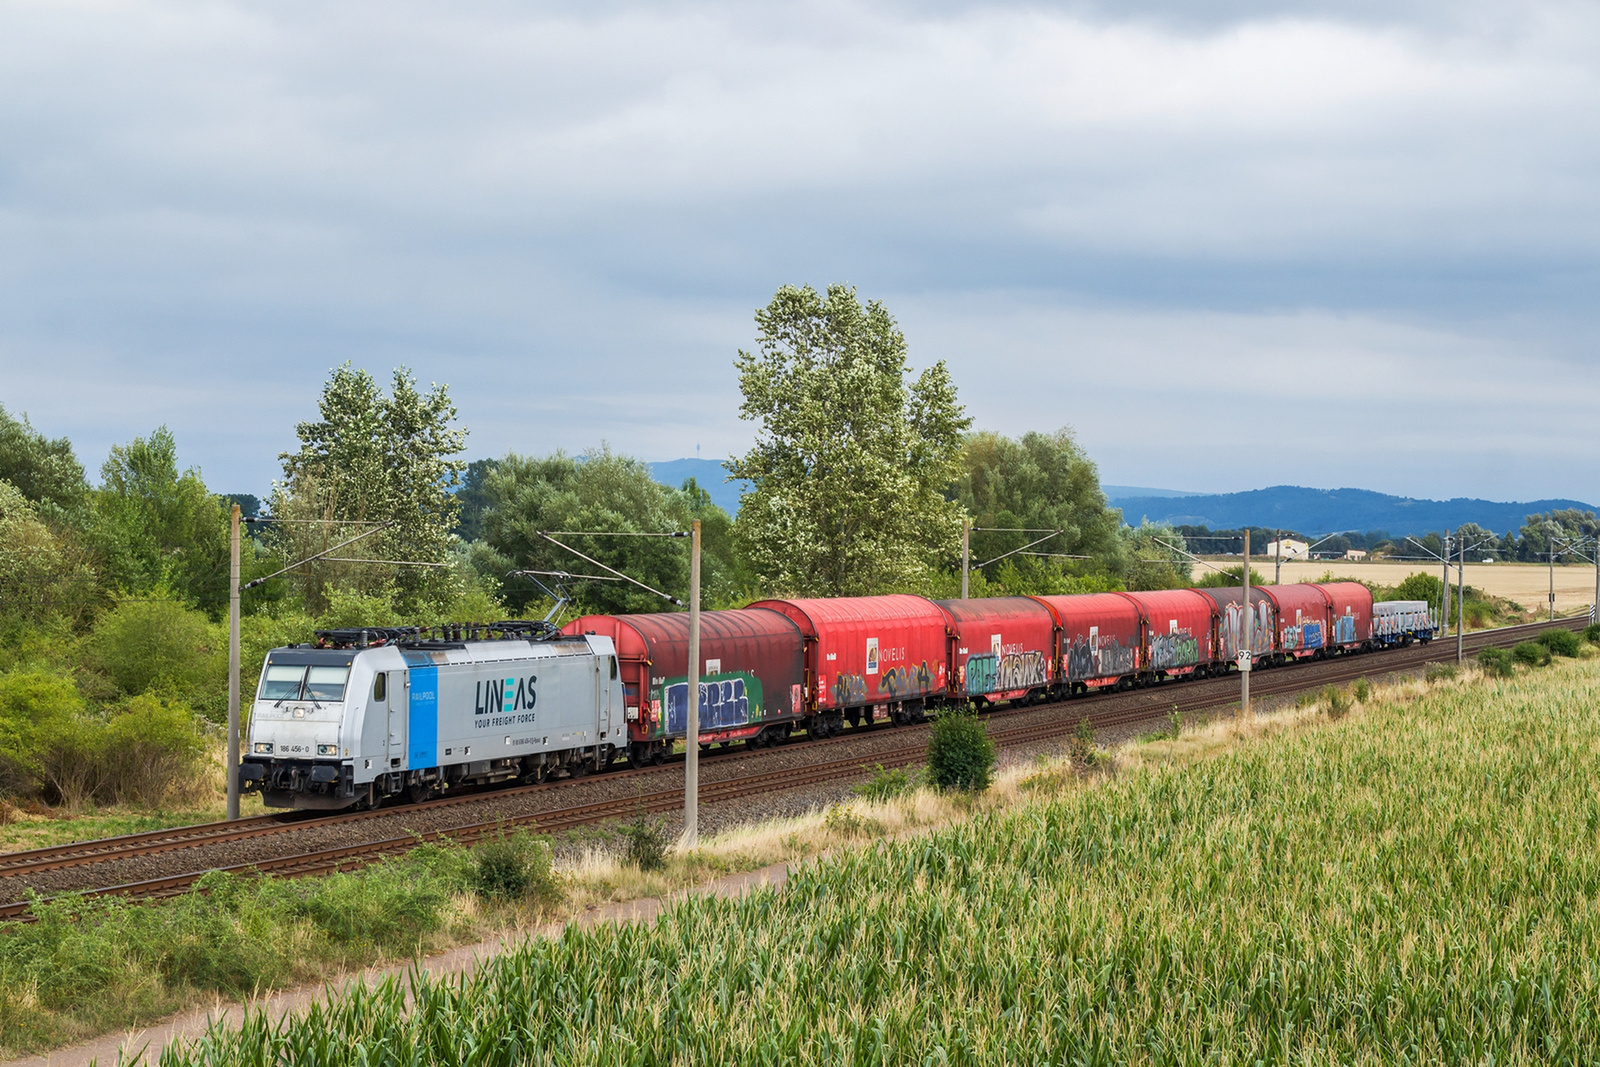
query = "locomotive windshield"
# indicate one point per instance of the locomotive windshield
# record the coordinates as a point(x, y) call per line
point(302, 682)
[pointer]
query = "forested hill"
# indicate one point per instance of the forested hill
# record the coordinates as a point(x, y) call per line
point(709, 474)
point(1293, 507)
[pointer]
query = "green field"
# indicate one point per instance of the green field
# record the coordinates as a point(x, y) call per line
point(1415, 883)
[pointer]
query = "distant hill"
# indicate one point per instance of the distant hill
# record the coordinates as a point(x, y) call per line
point(708, 473)
point(1139, 490)
point(1292, 507)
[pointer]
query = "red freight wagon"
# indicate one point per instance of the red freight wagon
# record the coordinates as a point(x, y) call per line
point(1004, 647)
point(1230, 621)
point(870, 650)
point(1351, 604)
point(752, 675)
point(1304, 624)
point(1099, 638)
point(1180, 625)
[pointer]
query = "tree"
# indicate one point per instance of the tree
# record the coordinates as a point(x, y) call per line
point(45, 572)
point(473, 499)
point(1154, 557)
point(1040, 482)
point(850, 463)
point(372, 458)
point(603, 491)
point(46, 472)
point(158, 528)
point(1540, 532)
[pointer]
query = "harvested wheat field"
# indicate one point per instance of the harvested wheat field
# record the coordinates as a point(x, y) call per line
point(1526, 583)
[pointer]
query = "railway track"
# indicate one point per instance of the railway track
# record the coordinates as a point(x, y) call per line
point(1144, 705)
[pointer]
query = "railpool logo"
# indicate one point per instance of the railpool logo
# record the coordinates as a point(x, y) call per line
point(505, 694)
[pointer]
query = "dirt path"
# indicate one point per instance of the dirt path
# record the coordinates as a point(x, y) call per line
point(192, 1024)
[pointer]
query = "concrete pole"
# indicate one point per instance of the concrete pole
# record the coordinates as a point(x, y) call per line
point(691, 739)
point(1552, 581)
point(966, 553)
point(233, 667)
point(1247, 654)
point(1594, 610)
point(1277, 570)
point(1444, 593)
point(1461, 594)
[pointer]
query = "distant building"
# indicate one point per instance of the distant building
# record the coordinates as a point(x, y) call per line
point(1355, 553)
point(1291, 549)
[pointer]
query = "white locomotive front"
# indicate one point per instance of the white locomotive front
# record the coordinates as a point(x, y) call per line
point(364, 715)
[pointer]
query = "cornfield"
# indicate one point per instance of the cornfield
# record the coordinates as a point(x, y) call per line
point(1410, 884)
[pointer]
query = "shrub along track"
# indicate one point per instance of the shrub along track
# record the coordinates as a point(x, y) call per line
point(904, 746)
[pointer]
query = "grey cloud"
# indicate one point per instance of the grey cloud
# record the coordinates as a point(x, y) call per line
point(569, 211)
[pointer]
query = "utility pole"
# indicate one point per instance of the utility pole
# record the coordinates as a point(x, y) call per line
point(1461, 594)
point(1444, 592)
point(691, 740)
point(1277, 570)
point(233, 667)
point(966, 554)
point(1247, 654)
point(1552, 580)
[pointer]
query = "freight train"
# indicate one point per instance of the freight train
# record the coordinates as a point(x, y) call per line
point(367, 715)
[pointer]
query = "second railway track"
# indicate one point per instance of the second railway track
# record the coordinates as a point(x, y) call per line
point(1137, 706)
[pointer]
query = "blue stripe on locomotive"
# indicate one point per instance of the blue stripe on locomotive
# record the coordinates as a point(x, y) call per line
point(423, 720)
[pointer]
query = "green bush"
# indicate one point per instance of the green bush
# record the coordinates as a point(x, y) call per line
point(33, 706)
point(1336, 701)
point(960, 754)
point(149, 750)
point(514, 867)
point(1361, 690)
point(1531, 653)
point(885, 785)
point(1439, 672)
point(1591, 633)
point(52, 747)
point(644, 844)
point(1561, 642)
point(1082, 748)
point(1419, 586)
point(160, 646)
point(1497, 663)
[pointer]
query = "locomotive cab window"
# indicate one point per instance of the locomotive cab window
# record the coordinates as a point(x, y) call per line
point(380, 686)
point(326, 683)
point(282, 682)
point(613, 660)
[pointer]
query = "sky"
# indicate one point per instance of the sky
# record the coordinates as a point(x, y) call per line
point(1230, 245)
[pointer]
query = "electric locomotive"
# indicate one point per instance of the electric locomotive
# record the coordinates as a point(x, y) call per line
point(364, 715)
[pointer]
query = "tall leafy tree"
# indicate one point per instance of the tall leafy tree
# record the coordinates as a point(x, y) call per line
point(372, 458)
point(473, 499)
point(157, 527)
point(44, 471)
point(45, 572)
point(603, 492)
point(1042, 481)
point(850, 460)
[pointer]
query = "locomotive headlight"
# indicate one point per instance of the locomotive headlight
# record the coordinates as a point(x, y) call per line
point(263, 748)
point(327, 750)
point(299, 713)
